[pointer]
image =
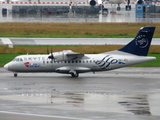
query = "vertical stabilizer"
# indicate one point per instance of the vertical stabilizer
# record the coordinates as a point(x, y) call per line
point(141, 43)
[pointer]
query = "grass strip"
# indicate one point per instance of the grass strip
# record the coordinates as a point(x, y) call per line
point(74, 30)
point(88, 49)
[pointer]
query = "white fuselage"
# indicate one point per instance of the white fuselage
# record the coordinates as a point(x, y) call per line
point(91, 62)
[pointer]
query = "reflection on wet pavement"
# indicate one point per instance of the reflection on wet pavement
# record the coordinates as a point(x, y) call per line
point(138, 104)
point(97, 97)
point(90, 101)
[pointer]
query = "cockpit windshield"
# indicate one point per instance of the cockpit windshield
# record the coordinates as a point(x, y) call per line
point(17, 59)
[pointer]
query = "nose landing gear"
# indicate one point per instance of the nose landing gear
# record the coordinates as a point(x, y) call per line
point(15, 74)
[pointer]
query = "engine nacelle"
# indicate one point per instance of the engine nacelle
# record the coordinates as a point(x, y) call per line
point(92, 2)
point(61, 56)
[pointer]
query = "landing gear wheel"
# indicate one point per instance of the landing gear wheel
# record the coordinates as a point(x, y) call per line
point(118, 8)
point(74, 75)
point(15, 74)
point(128, 7)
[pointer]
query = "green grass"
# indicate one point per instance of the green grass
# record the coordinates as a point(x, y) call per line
point(74, 30)
point(5, 58)
point(88, 49)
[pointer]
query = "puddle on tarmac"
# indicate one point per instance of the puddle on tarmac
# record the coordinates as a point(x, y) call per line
point(138, 104)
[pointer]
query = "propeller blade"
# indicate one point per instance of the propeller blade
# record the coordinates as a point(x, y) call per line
point(51, 56)
point(47, 51)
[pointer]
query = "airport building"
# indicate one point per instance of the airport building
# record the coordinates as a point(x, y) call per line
point(75, 6)
point(51, 7)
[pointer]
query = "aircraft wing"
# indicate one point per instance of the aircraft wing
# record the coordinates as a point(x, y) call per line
point(67, 55)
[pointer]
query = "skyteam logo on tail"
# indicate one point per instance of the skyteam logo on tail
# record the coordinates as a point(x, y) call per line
point(141, 41)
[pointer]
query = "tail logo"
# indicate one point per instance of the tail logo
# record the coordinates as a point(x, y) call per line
point(142, 41)
point(106, 62)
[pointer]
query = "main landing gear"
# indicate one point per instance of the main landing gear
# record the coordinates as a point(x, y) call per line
point(118, 8)
point(75, 74)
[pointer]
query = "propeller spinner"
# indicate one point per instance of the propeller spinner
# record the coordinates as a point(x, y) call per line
point(51, 56)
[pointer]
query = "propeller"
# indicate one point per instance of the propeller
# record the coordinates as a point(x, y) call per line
point(50, 56)
point(47, 51)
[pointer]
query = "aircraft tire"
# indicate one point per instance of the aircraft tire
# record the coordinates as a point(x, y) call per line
point(15, 74)
point(128, 7)
point(92, 2)
point(118, 8)
point(74, 75)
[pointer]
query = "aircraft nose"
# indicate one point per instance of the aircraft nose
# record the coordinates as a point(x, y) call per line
point(6, 66)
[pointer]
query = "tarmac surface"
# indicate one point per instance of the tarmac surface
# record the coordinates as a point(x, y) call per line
point(70, 41)
point(129, 93)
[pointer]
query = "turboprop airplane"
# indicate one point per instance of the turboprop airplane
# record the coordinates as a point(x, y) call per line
point(114, 2)
point(69, 62)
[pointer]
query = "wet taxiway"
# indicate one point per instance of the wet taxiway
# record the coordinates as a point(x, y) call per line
point(127, 93)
